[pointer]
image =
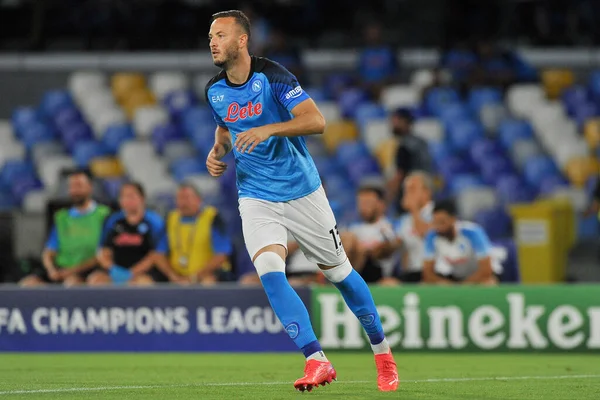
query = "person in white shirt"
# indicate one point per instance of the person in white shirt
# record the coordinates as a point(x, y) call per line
point(376, 237)
point(414, 225)
point(463, 248)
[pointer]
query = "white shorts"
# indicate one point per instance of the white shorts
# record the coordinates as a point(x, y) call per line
point(309, 219)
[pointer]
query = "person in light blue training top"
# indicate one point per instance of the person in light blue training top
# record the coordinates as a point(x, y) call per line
point(262, 113)
point(458, 251)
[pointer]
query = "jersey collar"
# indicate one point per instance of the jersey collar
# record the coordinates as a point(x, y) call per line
point(75, 212)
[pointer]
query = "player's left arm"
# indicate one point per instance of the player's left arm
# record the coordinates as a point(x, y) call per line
point(482, 247)
point(157, 239)
point(307, 120)
point(221, 246)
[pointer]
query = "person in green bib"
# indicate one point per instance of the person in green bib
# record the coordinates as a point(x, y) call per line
point(70, 252)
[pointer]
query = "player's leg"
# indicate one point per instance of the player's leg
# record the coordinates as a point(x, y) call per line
point(98, 278)
point(31, 281)
point(72, 280)
point(266, 239)
point(313, 224)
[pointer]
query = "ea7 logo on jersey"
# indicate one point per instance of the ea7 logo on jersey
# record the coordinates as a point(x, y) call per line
point(235, 111)
point(294, 93)
point(216, 99)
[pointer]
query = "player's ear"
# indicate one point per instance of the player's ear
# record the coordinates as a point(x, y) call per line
point(243, 40)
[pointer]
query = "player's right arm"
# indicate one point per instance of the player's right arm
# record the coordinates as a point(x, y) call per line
point(222, 146)
point(49, 254)
point(429, 275)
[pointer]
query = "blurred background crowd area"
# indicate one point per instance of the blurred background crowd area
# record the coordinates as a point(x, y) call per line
point(496, 128)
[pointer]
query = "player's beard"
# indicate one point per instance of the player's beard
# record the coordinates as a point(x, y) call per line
point(230, 57)
point(449, 234)
point(79, 201)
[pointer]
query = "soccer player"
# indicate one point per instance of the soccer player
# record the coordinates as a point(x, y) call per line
point(262, 113)
point(461, 246)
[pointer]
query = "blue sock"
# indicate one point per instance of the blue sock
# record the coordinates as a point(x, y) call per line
point(358, 297)
point(291, 311)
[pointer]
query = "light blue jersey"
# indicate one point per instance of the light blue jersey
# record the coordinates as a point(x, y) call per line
point(279, 169)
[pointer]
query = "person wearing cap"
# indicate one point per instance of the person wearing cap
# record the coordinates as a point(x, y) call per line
point(412, 154)
point(198, 248)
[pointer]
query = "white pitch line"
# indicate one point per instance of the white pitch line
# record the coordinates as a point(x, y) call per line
point(213, 384)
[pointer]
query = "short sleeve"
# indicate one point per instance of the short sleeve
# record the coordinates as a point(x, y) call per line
point(221, 244)
point(158, 234)
point(108, 232)
point(216, 116)
point(479, 241)
point(285, 86)
point(430, 246)
point(52, 242)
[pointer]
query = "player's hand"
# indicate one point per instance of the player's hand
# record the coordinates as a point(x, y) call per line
point(251, 138)
point(54, 275)
point(215, 166)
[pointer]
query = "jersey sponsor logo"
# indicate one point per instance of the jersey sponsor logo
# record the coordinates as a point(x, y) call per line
point(235, 111)
point(294, 93)
point(456, 261)
point(256, 86)
point(293, 330)
point(129, 239)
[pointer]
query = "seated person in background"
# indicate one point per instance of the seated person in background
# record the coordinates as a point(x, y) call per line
point(498, 67)
point(129, 244)
point(197, 247)
point(377, 64)
point(70, 253)
point(375, 236)
point(461, 250)
point(415, 224)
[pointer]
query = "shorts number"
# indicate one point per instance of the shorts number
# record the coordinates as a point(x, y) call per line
point(335, 234)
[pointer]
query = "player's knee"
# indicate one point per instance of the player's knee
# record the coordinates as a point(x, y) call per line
point(98, 279)
point(30, 281)
point(269, 262)
point(72, 280)
point(337, 273)
point(141, 280)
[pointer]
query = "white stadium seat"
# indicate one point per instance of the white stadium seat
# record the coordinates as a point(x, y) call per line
point(11, 151)
point(376, 132)
point(576, 196)
point(491, 115)
point(429, 129)
point(82, 82)
point(163, 83)
point(35, 201)
point(50, 168)
point(105, 118)
point(330, 111)
point(147, 118)
point(471, 201)
point(397, 96)
point(524, 98)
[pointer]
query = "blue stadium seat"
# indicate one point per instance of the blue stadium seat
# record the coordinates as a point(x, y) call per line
point(36, 132)
point(85, 151)
point(362, 168)
point(439, 152)
point(455, 165)
point(439, 98)
point(317, 94)
point(460, 182)
point(587, 227)
point(496, 222)
point(165, 133)
point(53, 101)
point(195, 117)
point(584, 112)
point(455, 112)
point(334, 84)
point(495, 166)
point(573, 97)
point(76, 133)
point(115, 135)
point(511, 130)
point(552, 183)
point(367, 112)
point(594, 85)
point(24, 185)
point(483, 96)
point(484, 148)
point(112, 186)
point(349, 101)
point(338, 183)
point(538, 168)
point(186, 167)
point(326, 164)
point(67, 117)
point(13, 171)
point(349, 152)
point(510, 267)
point(512, 189)
point(178, 102)
point(22, 117)
point(463, 133)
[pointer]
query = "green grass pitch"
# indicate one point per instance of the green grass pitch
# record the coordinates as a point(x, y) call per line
point(270, 376)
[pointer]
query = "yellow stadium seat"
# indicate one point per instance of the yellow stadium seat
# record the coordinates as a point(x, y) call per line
point(386, 153)
point(124, 83)
point(136, 99)
point(337, 132)
point(580, 169)
point(556, 80)
point(592, 133)
point(106, 167)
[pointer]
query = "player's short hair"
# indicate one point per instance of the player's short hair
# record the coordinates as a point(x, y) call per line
point(81, 171)
point(372, 188)
point(425, 178)
point(190, 186)
point(136, 186)
point(404, 113)
point(447, 205)
point(240, 18)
